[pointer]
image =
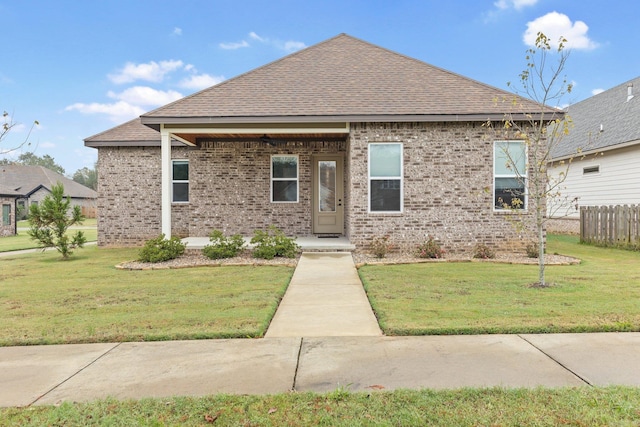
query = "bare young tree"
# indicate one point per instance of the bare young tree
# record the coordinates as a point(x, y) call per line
point(7, 125)
point(533, 188)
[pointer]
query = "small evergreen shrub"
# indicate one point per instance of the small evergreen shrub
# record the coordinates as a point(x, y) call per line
point(161, 249)
point(272, 243)
point(430, 249)
point(223, 246)
point(483, 252)
point(380, 246)
point(532, 250)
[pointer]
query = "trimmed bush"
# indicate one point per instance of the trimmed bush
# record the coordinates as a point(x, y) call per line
point(222, 246)
point(161, 249)
point(272, 243)
point(483, 252)
point(430, 249)
point(380, 246)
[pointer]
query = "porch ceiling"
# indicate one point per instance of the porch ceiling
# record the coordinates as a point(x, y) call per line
point(260, 137)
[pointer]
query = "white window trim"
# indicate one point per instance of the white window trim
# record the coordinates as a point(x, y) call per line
point(296, 179)
point(179, 181)
point(524, 176)
point(401, 178)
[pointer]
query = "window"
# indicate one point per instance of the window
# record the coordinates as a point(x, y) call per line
point(385, 177)
point(284, 179)
point(510, 175)
point(180, 180)
point(590, 169)
point(6, 214)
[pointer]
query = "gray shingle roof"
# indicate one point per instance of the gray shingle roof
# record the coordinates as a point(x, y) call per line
point(25, 179)
point(340, 78)
point(133, 132)
point(620, 120)
point(10, 192)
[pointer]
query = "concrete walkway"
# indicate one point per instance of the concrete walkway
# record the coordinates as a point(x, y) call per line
point(324, 299)
point(83, 372)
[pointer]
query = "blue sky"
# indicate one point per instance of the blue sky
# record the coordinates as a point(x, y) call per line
point(82, 67)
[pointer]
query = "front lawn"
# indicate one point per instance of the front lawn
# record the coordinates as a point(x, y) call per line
point(86, 299)
point(600, 294)
point(583, 406)
point(23, 241)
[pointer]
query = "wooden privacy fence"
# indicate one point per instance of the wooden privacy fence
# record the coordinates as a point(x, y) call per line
point(610, 225)
point(89, 211)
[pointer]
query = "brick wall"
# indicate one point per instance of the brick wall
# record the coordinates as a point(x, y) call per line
point(448, 181)
point(564, 225)
point(9, 229)
point(229, 190)
point(230, 187)
point(129, 196)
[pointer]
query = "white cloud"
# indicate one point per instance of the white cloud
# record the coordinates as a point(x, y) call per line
point(150, 71)
point(555, 25)
point(596, 91)
point(256, 37)
point(145, 96)
point(118, 112)
point(200, 81)
point(287, 46)
point(177, 31)
point(516, 4)
point(47, 144)
point(292, 46)
point(234, 46)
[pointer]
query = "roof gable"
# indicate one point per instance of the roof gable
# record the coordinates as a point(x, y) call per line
point(339, 78)
point(603, 121)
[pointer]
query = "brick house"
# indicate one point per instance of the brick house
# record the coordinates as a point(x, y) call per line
point(342, 138)
point(34, 183)
point(9, 202)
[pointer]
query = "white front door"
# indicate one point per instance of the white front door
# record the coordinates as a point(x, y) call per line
point(328, 195)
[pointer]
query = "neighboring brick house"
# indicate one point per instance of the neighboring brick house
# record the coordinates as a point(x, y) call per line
point(342, 138)
point(35, 182)
point(8, 204)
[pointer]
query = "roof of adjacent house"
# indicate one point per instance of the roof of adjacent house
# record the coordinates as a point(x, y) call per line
point(9, 192)
point(341, 79)
point(27, 179)
point(605, 121)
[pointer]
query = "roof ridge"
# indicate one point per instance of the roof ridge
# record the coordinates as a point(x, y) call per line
point(234, 78)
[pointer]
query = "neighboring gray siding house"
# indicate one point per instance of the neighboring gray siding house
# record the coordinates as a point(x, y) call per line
point(342, 138)
point(34, 184)
point(8, 204)
point(604, 145)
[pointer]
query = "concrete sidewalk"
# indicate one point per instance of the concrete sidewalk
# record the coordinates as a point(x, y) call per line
point(84, 372)
point(324, 299)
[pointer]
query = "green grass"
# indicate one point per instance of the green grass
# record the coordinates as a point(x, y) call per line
point(467, 407)
point(23, 241)
point(600, 294)
point(45, 300)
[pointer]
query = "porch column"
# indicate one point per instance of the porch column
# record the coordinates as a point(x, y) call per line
point(165, 164)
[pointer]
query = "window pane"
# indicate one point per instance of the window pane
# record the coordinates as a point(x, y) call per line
point(180, 170)
point(6, 214)
point(180, 191)
point(327, 179)
point(510, 158)
point(285, 191)
point(285, 166)
point(509, 192)
point(385, 195)
point(385, 160)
